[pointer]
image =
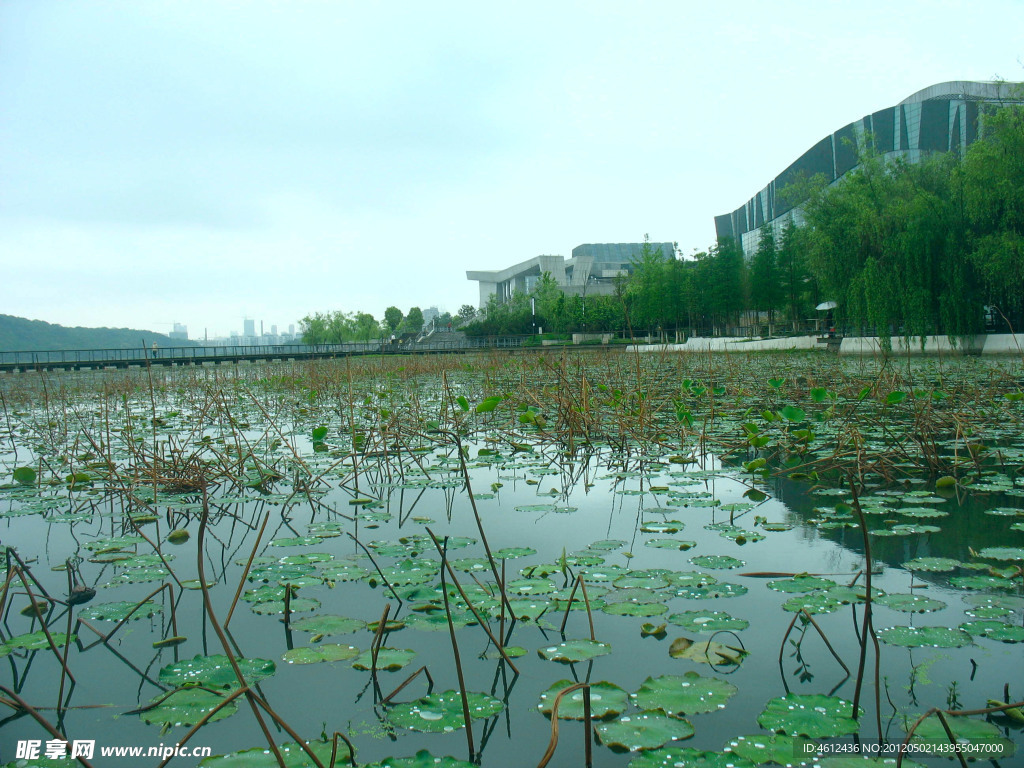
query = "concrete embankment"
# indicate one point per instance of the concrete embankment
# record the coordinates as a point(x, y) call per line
point(982, 344)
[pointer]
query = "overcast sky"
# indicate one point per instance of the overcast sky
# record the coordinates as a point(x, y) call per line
point(204, 161)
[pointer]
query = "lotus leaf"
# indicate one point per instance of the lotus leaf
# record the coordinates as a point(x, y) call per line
point(684, 757)
point(932, 564)
point(849, 761)
point(186, 707)
point(1002, 553)
point(635, 609)
point(215, 671)
point(687, 694)
point(922, 512)
point(387, 658)
point(644, 730)
point(511, 553)
point(811, 715)
point(529, 586)
point(329, 625)
point(981, 582)
point(801, 584)
point(679, 544)
point(140, 575)
point(717, 562)
point(34, 641)
point(636, 595)
point(442, 712)
point(296, 605)
point(771, 748)
point(909, 603)
point(118, 611)
point(438, 621)
point(641, 580)
point(710, 592)
point(294, 756)
point(691, 579)
point(706, 652)
point(317, 653)
point(606, 700)
point(571, 651)
point(966, 730)
point(919, 637)
point(296, 541)
point(812, 602)
point(423, 759)
point(995, 630)
point(708, 621)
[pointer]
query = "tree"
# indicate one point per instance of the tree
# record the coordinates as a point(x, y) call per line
point(413, 322)
point(392, 318)
point(467, 312)
point(765, 295)
point(549, 302)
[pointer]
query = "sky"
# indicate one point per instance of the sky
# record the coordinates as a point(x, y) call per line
point(204, 161)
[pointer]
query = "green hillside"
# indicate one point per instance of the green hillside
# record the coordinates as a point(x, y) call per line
point(20, 334)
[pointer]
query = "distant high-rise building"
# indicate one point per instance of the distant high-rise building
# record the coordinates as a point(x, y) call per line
point(273, 330)
point(249, 327)
point(180, 332)
point(291, 329)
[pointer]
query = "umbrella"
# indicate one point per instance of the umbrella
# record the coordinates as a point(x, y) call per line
point(826, 305)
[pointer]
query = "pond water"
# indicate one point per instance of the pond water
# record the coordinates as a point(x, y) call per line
point(676, 536)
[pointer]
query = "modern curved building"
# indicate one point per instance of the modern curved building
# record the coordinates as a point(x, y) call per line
point(940, 118)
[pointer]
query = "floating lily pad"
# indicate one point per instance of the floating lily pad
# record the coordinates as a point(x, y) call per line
point(811, 715)
point(910, 603)
point(967, 730)
point(34, 641)
point(215, 671)
point(387, 658)
point(187, 707)
point(712, 591)
point(423, 759)
point(771, 748)
point(574, 650)
point(296, 605)
point(684, 757)
point(442, 712)
point(708, 621)
point(606, 700)
point(706, 652)
point(919, 637)
point(801, 584)
point(641, 580)
point(812, 602)
point(318, 653)
point(635, 609)
point(717, 562)
point(1002, 553)
point(643, 730)
point(687, 694)
point(118, 611)
point(994, 630)
point(329, 625)
point(679, 544)
point(294, 756)
point(932, 564)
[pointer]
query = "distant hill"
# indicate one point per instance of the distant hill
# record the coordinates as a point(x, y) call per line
point(18, 334)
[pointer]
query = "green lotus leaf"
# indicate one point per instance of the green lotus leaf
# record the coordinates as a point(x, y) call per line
point(608, 545)
point(684, 757)
point(438, 620)
point(343, 572)
point(643, 730)
point(707, 621)
point(329, 625)
point(296, 541)
point(919, 637)
point(664, 526)
point(856, 593)
point(318, 653)
point(606, 700)
point(442, 712)
point(679, 544)
point(296, 605)
point(812, 602)
point(423, 759)
point(1002, 553)
point(706, 652)
point(635, 609)
point(186, 707)
point(511, 553)
point(932, 564)
point(967, 730)
point(34, 641)
point(118, 611)
point(280, 572)
point(687, 694)
point(471, 565)
point(910, 603)
point(981, 582)
point(922, 512)
point(603, 573)
point(717, 562)
point(140, 575)
point(772, 748)
point(215, 671)
point(571, 651)
point(909, 529)
point(811, 715)
point(387, 658)
point(144, 561)
point(294, 756)
point(641, 580)
point(684, 579)
point(801, 584)
point(529, 587)
point(850, 761)
point(306, 558)
point(994, 630)
point(636, 595)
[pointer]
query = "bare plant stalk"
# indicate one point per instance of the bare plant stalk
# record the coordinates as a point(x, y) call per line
point(455, 652)
point(408, 680)
point(245, 571)
point(553, 743)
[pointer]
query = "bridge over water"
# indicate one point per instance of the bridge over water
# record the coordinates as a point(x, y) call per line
point(95, 359)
